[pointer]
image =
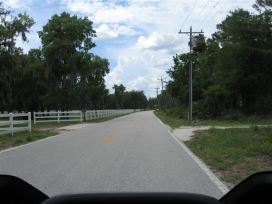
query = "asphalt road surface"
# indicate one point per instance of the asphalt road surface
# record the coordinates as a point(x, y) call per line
point(131, 153)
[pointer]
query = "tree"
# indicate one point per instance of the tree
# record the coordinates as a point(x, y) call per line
point(232, 70)
point(12, 64)
point(262, 4)
point(152, 103)
point(166, 101)
point(199, 44)
point(245, 57)
point(119, 95)
point(135, 100)
point(178, 87)
point(66, 41)
point(95, 89)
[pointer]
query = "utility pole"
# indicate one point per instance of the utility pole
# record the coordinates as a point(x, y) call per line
point(162, 82)
point(157, 91)
point(190, 73)
point(157, 95)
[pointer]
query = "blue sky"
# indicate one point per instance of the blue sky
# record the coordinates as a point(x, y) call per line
point(138, 37)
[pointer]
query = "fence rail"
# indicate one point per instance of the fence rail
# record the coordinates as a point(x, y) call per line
point(57, 116)
point(9, 122)
point(60, 116)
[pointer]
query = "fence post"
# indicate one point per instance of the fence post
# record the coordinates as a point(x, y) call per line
point(58, 118)
point(81, 116)
point(34, 117)
point(29, 121)
point(11, 123)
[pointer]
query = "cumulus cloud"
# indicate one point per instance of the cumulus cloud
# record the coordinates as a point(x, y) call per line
point(83, 6)
point(105, 31)
point(139, 70)
point(157, 41)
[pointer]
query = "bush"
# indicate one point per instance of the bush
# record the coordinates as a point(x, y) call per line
point(200, 110)
point(233, 115)
point(178, 112)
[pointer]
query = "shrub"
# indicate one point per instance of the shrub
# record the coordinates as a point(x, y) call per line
point(178, 112)
point(233, 115)
point(200, 110)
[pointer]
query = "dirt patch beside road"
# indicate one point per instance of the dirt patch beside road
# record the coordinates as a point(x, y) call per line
point(58, 130)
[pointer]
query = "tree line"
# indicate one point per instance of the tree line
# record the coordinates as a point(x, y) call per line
point(60, 75)
point(232, 73)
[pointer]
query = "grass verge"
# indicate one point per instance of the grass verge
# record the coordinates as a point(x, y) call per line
point(24, 137)
point(232, 153)
point(175, 123)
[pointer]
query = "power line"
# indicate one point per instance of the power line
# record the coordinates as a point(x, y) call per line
point(200, 11)
point(215, 13)
point(208, 14)
point(189, 14)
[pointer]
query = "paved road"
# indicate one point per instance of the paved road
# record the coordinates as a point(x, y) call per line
point(132, 153)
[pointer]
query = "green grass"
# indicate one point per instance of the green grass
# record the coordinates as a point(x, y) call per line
point(169, 120)
point(234, 152)
point(19, 138)
point(175, 123)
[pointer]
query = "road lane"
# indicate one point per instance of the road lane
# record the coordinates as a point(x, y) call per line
point(130, 153)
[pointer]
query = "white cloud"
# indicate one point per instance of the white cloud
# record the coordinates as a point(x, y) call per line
point(157, 41)
point(83, 6)
point(126, 30)
point(105, 31)
point(138, 83)
point(139, 69)
point(113, 15)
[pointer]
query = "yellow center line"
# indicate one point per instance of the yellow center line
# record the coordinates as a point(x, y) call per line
point(109, 138)
point(128, 123)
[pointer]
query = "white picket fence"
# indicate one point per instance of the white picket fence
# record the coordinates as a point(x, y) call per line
point(9, 122)
point(61, 116)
